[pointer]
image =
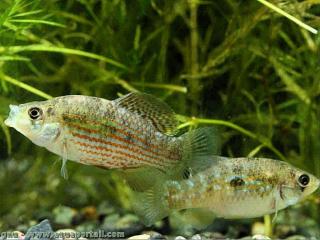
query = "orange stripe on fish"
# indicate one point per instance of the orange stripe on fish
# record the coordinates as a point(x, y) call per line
point(148, 144)
point(153, 154)
point(100, 162)
point(154, 161)
point(117, 160)
point(129, 156)
point(121, 147)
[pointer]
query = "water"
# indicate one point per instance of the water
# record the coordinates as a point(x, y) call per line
point(236, 65)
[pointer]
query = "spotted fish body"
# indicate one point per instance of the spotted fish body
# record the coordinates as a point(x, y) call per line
point(132, 131)
point(231, 188)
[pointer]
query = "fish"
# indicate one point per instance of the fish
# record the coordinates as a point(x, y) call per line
point(134, 130)
point(230, 188)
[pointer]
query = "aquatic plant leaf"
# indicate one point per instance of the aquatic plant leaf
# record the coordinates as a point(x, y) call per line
point(50, 48)
point(37, 21)
point(290, 82)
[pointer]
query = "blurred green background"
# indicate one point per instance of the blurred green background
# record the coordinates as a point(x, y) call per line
point(236, 64)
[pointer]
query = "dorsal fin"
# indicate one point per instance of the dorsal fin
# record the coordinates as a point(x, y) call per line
point(161, 116)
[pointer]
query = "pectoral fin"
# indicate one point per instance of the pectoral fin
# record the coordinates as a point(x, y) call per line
point(64, 171)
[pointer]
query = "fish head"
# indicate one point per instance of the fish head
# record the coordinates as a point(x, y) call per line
point(307, 183)
point(35, 121)
point(297, 186)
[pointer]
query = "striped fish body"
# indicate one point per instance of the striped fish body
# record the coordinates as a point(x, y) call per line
point(97, 132)
point(230, 188)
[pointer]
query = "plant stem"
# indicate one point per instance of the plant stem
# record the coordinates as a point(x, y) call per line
point(194, 65)
point(267, 225)
point(287, 15)
point(194, 36)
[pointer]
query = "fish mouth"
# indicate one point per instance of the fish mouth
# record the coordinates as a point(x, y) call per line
point(13, 112)
point(8, 122)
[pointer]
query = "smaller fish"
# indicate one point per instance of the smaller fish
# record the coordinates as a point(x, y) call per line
point(230, 188)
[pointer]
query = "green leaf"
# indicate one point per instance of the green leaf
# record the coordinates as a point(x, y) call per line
point(13, 58)
point(287, 15)
point(23, 14)
point(290, 83)
point(37, 21)
point(51, 48)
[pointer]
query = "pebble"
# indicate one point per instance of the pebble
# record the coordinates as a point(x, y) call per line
point(196, 237)
point(260, 237)
point(258, 228)
point(42, 227)
point(285, 230)
point(180, 238)
point(140, 237)
point(129, 224)
point(299, 237)
point(64, 215)
point(212, 235)
point(256, 237)
point(155, 235)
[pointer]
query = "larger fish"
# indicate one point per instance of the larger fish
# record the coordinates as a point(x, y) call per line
point(230, 188)
point(132, 131)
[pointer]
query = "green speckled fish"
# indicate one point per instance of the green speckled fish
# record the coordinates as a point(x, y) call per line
point(230, 188)
point(129, 132)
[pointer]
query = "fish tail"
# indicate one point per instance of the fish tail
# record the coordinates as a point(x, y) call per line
point(152, 205)
point(197, 147)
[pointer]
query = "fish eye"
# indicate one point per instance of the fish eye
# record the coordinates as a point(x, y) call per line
point(304, 180)
point(35, 113)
